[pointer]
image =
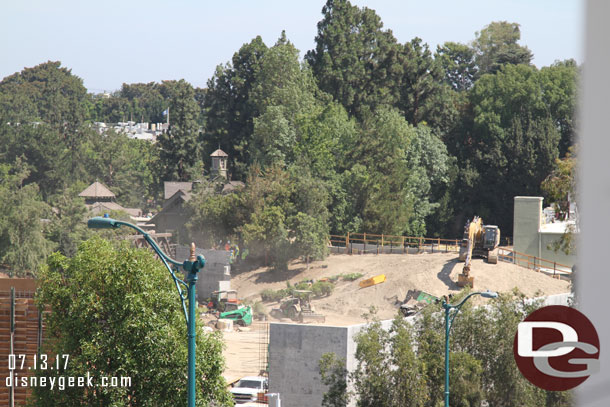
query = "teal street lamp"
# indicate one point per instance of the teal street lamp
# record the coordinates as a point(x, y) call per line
point(191, 267)
point(449, 317)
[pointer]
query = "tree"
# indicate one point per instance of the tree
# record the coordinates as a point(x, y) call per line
point(23, 246)
point(560, 188)
point(229, 112)
point(496, 45)
point(355, 59)
point(421, 84)
point(404, 365)
point(42, 117)
point(266, 233)
point(68, 227)
point(458, 62)
point(560, 85)
point(128, 170)
point(511, 146)
point(334, 375)
point(179, 148)
point(116, 314)
point(310, 237)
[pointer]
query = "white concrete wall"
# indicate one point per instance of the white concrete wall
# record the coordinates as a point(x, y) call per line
point(528, 239)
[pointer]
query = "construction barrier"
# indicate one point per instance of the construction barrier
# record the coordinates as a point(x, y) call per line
point(538, 264)
point(369, 243)
point(362, 243)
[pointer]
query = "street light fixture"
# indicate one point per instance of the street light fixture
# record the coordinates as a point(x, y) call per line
point(191, 267)
point(449, 323)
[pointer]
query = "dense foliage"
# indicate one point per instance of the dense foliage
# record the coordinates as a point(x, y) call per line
point(117, 314)
point(365, 134)
point(404, 365)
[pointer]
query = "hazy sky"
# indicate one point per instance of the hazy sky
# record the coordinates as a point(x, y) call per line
point(111, 42)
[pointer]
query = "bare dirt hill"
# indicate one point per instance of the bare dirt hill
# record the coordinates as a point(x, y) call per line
point(433, 273)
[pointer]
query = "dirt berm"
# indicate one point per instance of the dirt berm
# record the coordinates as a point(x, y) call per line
point(433, 273)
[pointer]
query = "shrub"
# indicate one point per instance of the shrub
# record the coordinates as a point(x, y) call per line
point(351, 276)
point(268, 295)
point(322, 288)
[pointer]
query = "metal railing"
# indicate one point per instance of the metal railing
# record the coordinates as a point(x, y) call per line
point(534, 263)
point(361, 243)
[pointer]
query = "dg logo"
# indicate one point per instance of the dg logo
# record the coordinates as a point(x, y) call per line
point(556, 348)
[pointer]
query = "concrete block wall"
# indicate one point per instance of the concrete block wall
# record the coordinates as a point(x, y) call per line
point(213, 276)
point(527, 221)
point(295, 351)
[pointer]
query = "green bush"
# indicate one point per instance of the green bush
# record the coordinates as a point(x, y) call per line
point(322, 288)
point(268, 295)
point(351, 276)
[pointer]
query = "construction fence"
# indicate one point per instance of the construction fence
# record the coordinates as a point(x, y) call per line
point(369, 243)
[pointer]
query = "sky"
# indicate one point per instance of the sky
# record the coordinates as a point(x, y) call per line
point(113, 42)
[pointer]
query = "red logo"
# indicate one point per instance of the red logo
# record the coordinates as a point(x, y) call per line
point(556, 348)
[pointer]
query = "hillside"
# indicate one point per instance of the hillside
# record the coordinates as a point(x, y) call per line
point(433, 273)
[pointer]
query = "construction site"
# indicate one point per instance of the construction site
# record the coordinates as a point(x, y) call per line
point(387, 277)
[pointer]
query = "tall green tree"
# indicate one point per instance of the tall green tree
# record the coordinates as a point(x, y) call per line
point(458, 62)
point(42, 117)
point(560, 87)
point(496, 45)
point(421, 84)
point(179, 148)
point(116, 322)
point(127, 170)
point(506, 147)
point(229, 111)
point(23, 221)
point(355, 60)
point(282, 92)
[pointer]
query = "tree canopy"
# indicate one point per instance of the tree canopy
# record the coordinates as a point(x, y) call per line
point(121, 317)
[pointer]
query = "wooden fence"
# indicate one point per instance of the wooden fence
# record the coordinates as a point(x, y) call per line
point(534, 263)
point(363, 243)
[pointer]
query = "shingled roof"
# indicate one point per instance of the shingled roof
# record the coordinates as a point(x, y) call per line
point(171, 187)
point(97, 190)
point(219, 153)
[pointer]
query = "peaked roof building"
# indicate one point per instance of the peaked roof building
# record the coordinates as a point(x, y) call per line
point(97, 192)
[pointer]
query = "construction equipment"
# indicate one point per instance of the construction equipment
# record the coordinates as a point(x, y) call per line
point(372, 281)
point(298, 308)
point(219, 299)
point(479, 240)
point(240, 314)
point(415, 301)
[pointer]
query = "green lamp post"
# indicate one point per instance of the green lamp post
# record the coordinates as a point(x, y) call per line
point(449, 323)
point(191, 267)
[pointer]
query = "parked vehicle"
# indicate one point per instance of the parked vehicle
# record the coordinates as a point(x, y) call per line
point(250, 389)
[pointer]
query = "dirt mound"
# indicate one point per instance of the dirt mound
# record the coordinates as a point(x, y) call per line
point(433, 273)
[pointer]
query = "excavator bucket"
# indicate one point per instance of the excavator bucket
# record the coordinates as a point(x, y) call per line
point(464, 280)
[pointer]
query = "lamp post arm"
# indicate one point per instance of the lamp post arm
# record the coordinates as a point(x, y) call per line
point(150, 241)
point(166, 261)
point(458, 306)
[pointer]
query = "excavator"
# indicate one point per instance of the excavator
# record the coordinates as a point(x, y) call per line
point(479, 240)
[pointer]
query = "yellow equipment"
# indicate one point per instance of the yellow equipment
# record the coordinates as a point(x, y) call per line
point(479, 240)
point(372, 281)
